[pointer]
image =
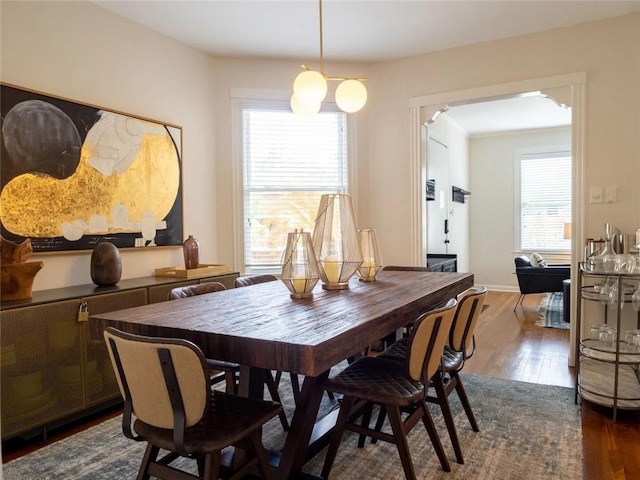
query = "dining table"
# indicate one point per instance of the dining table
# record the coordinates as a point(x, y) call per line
point(262, 327)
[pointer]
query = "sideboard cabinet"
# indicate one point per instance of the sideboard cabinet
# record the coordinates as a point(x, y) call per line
point(52, 370)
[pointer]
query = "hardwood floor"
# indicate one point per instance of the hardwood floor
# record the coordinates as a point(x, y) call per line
point(510, 346)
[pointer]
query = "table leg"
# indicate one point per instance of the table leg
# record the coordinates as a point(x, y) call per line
point(251, 382)
point(294, 453)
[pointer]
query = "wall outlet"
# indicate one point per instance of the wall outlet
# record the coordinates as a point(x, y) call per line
point(595, 195)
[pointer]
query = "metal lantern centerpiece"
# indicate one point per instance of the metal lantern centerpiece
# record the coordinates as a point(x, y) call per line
point(372, 262)
point(335, 241)
point(300, 271)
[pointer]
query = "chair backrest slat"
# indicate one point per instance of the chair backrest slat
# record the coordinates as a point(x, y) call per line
point(427, 341)
point(144, 376)
point(470, 303)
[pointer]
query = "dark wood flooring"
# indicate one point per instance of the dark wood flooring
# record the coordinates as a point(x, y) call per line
point(510, 346)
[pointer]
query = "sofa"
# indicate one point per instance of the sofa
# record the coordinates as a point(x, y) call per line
point(541, 278)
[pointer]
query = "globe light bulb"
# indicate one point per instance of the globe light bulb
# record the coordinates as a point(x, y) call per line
point(310, 87)
point(304, 109)
point(351, 95)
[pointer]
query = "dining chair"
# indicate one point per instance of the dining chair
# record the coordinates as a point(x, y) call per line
point(230, 372)
point(397, 387)
point(193, 290)
point(165, 385)
point(460, 346)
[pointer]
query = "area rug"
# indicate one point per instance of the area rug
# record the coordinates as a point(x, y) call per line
point(527, 432)
point(550, 312)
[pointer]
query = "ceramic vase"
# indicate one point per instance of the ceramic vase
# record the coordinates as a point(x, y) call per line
point(106, 266)
point(191, 248)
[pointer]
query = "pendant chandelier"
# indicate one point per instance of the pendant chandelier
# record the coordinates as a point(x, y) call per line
point(310, 88)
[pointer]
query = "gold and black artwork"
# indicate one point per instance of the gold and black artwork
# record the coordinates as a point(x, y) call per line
point(73, 175)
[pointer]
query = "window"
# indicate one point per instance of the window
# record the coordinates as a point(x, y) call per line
point(545, 201)
point(288, 163)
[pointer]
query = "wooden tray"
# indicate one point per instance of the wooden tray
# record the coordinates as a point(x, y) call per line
point(203, 270)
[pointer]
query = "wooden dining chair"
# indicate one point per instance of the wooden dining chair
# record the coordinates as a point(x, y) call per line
point(228, 372)
point(397, 387)
point(460, 346)
point(165, 385)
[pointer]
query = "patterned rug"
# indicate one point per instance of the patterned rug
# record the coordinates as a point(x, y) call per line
point(551, 312)
point(527, 432)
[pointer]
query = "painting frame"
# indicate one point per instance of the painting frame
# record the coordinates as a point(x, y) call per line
point(73, 174)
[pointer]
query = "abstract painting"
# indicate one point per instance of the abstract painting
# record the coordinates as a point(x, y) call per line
point(73, 175)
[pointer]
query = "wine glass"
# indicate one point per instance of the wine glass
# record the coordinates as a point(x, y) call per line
point(635, 299)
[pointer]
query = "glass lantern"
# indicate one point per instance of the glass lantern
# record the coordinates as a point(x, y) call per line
point(372, 262)
point(335, 241)
point(300, 271)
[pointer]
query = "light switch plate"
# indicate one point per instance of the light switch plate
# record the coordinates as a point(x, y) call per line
point(595, 195)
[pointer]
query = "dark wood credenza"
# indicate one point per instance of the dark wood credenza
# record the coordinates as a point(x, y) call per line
point(52, 370)
point(442, 262)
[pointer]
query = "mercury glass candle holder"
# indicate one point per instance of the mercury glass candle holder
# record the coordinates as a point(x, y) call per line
point(372, 261)
point(335, 241)
point(300, 271)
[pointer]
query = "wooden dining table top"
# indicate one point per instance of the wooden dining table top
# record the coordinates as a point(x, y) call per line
point(262, 326)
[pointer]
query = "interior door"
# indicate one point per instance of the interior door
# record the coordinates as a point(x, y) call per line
point(437, 210)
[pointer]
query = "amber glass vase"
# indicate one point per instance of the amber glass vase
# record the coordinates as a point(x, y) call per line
point(191, 248)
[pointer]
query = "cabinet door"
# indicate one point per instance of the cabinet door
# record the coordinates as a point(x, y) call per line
point(41, 365)
point(100, 379)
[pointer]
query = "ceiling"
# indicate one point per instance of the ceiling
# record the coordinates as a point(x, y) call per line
point(367, 31)
point(354, 30)
point(512, 114)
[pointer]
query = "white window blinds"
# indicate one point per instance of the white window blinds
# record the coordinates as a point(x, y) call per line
point(545, 201)
point(288, 162)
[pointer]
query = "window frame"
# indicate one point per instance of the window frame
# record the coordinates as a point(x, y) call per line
point(279, 101)
point(541, 152)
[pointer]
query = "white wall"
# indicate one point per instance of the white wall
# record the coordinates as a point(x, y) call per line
point(85, 53)
point(82, 52)
point(492, 216)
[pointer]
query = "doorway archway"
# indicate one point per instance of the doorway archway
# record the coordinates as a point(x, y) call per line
point(567, 90)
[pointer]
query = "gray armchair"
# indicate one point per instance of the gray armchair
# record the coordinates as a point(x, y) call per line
point(539, 279)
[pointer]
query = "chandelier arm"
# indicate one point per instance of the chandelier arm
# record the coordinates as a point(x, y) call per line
point(321, 45)
point(340, 79)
